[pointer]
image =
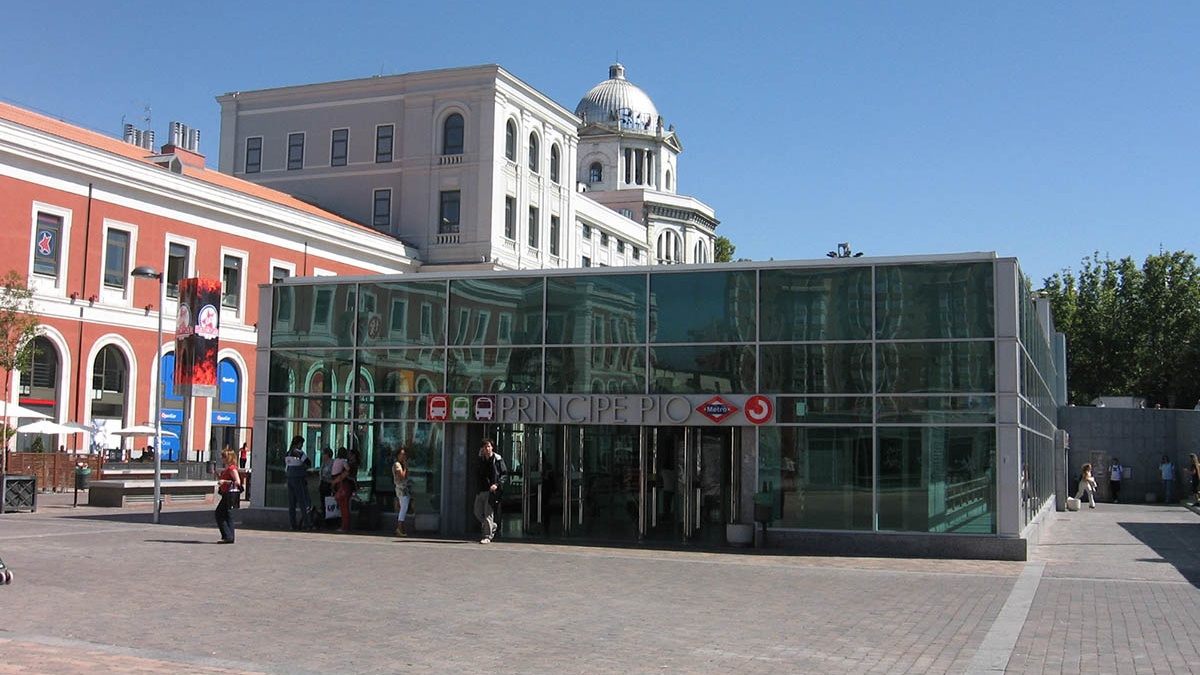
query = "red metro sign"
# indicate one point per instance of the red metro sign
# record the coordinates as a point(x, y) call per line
point(717, 409)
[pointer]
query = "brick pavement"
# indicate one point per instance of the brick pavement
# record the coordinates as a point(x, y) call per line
point(104, 591)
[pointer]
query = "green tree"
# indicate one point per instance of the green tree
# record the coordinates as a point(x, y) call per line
point(723, 250)
point(1131, 331)
point(18, 327)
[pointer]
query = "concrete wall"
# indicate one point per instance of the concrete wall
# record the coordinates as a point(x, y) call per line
point(1139, 437)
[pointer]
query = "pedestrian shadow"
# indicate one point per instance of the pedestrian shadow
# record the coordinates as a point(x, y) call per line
point(1176, 544)
point(178, 541)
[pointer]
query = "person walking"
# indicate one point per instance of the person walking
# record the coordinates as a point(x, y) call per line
point(1195, 479)
point(344, 473)
point(296, 464)
point(403, 486)
point(491, 475)
point(325, 486)
point(1114, 479)
point(1087, 484)
point(1167, 471)
point(229, 488)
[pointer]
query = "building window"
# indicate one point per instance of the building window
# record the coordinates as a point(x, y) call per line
point(510, 217)
point(533, 153)
point(604, 239)
point(383, 143)
point(637, 253)
point(108, 373)
point(533, 227)
point(554, 160)
point(669, 188)
point(278, 274)
point(670, 248)
point(178, 264)
point(510, 141)
point(295, 151)
point(448, 215)
point(231, 282)
point(426, 322)
point(116, 259)
point(700, 255)
point(340, 147)
point(452, 135)
point(47, 244)
point(254, 154)
point(554, 229)
point(595, 173)
point(381, 218)
point(587, 262)
point(587, 231)
point(620, 246)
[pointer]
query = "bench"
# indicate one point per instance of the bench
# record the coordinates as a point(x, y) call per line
point(137, 473)
point(123, 492)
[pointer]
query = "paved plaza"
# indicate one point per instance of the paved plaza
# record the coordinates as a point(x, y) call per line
point(100, 590)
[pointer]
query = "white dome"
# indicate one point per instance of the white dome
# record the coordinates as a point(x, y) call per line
point(619, 103)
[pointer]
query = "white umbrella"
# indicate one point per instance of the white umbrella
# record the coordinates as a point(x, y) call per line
point(13, 411)
point(53, 428)
point(142, 430)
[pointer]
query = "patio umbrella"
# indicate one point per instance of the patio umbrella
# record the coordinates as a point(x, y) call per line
point(53, 428)
point(13, 411)
point(142, 430)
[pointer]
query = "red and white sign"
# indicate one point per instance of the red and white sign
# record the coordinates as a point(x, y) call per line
point(716, 409)
point(759, 409)
point(437, 408)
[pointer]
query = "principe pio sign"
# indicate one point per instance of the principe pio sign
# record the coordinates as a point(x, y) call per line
point(630, 409)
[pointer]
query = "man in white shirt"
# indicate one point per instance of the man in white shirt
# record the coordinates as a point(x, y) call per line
point(1114, 479)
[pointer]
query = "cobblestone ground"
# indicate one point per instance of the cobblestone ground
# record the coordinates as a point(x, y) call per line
point(104, 591)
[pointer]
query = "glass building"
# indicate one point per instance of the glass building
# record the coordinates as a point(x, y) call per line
point(888, 405)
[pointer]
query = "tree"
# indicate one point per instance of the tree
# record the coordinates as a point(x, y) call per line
point(18, 328)
point(1131, 330)
point(723, 250)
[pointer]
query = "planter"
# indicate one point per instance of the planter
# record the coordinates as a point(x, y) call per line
point(739, 534)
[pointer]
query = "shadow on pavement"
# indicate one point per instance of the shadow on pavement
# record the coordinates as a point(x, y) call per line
point(1176, 544)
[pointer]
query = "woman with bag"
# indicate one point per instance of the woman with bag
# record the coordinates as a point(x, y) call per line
point(229, 489)
point(1087, 484)
point(343, 485)
point(400, 477)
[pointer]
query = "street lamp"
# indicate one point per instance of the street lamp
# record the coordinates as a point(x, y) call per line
point(144, 272)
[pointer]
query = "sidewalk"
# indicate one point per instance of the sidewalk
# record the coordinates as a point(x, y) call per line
point(1114, 590)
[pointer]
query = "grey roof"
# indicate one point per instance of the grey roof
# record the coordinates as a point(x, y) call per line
point(619, 103)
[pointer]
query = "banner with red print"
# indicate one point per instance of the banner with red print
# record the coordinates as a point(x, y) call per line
point(196, 330)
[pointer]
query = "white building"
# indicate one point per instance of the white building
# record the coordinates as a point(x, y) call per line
point(471, 166)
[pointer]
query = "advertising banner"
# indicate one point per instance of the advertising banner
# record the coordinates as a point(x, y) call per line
point(196, 331)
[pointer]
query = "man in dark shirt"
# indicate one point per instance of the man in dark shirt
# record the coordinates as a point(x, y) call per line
point(295, 464)
point(491, 475)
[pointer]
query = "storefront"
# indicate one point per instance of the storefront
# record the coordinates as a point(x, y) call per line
point(906, 396)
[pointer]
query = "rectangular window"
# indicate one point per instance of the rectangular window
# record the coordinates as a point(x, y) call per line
point(464, 318)
point(231, 282)
point(510, 217)
point(116, 259)
point(178, 264)
point(339, 147)
point(382, 218)
point(383, 143)
point(554, 229)
point(604, 239)
point(47, 245)
point(504, 329)
point(587, 231)
point(637, 253)
point(322, 306)
point(399, 316)
point(426, 321)
point(295, 151)
point(587, 262)
point(448, 214)
point(481, 327)
point(533, 227)
point(254, 154)
point(279, 274)
point(620, 246)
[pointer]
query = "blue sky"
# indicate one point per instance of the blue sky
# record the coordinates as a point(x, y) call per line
point(1044, 131)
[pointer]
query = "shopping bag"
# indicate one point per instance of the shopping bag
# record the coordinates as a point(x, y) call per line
point(1072, 504)
point(332, 510)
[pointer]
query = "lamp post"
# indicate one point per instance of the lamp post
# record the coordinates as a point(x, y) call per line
point(144, 272)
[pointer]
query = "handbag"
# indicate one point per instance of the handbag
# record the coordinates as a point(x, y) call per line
point(332, 510)
point(233, 499)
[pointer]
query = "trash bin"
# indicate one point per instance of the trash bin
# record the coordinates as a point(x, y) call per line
point(764, 507)
point(83, 477)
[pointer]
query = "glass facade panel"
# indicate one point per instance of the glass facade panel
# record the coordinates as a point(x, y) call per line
point(815, 369)
point(321, 314)
point(823, 409)
point(595, 370)
point(474, 371)
point(815, 304)
point(596, 310)
point(702, 369)
point(405, 314)
point(820, 478)
point(935, 301)
point(937, 409)
point(937, 479)
point(474, 303)
point(936, 367)
point(702, 307)
point(396, 372)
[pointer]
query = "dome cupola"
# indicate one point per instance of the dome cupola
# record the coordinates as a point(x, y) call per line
point(620, 104)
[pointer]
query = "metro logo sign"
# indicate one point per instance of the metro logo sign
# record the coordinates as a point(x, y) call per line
point(716, 409)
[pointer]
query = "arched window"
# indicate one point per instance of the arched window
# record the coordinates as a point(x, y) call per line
point(669, 186)
point(510, 141)
point(40, 380)
point(595, 173)
point(700, 254)
point(554, 163)
point(670, 247)
point(452, 135)
point(533, 153)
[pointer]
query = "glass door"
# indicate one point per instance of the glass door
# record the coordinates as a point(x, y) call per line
point(663, 497)
point(603, 473)
point(707, 483)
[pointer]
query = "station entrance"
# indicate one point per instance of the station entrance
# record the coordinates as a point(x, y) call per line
point(618, 483)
